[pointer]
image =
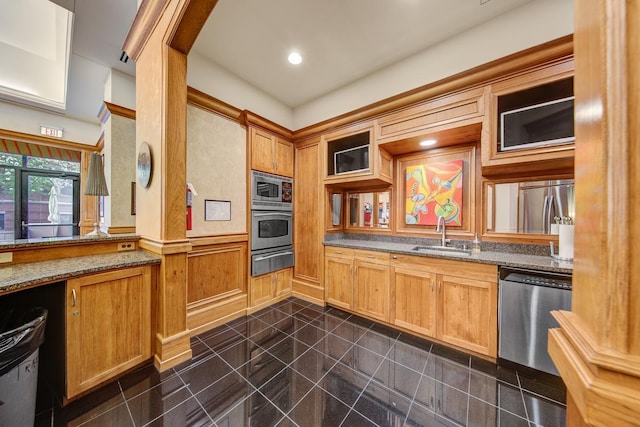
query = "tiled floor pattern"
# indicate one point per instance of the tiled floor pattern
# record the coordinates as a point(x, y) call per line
point(298, 364)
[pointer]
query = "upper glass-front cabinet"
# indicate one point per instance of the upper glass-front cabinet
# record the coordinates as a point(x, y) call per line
point(370, 210)
point(532, 207)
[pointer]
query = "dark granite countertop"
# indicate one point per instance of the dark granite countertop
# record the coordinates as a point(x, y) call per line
point(18, 276)
point(7, 245)
point(507, 259)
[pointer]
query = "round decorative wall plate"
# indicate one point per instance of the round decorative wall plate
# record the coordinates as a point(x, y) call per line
point(144, 165)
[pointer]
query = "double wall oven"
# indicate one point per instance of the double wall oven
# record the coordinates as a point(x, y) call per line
point(271, 223)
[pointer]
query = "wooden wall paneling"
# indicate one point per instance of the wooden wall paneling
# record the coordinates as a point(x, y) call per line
point(217, 281)
point(216, 272)
point(596, 347)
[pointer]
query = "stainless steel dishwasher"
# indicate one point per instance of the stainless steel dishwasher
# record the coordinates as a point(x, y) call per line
point(525, 301)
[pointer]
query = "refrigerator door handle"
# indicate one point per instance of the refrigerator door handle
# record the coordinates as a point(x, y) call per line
point(545, 208)
point(548, 215)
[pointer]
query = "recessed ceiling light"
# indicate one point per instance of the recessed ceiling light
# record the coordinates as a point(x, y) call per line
point(295, 58)
point(428, 142)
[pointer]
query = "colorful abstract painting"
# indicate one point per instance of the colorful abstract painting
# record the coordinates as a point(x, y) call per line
point(434, 190)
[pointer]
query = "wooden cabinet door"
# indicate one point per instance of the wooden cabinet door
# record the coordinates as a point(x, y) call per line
point(338, 279)
point(283, 157)
point(262, 289)
point(283, 282)
point(262, 151)
point(108, 326)
point(372, 290)
point(468, 314)
point(414, 299)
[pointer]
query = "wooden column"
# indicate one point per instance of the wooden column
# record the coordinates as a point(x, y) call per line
point(597, 347)
point(160, 38)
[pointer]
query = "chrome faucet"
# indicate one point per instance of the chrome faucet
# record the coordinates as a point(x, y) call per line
point(444, 232)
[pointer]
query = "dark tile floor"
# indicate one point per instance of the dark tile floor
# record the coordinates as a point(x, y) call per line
point(298, 364)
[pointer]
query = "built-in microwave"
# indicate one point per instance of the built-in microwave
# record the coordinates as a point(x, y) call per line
point(271, 192)
point(544, 124)
point(354, 159)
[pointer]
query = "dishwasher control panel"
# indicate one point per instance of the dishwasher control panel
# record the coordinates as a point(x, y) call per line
point(549, 280)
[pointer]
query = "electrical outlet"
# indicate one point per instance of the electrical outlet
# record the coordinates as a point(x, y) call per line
point(6, 257)
point(128, 246)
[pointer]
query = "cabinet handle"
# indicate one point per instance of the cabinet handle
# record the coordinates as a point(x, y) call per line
point(356, 270)
point(440, 286)
point(74, 297)
point(276, 165)
point(432, 286)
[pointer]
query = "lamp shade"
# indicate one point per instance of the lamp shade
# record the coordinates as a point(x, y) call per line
point(96, 185)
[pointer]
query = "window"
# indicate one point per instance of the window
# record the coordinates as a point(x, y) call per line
point(39, 197)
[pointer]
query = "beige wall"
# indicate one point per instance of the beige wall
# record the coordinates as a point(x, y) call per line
point(216, 166)
point(120, 170)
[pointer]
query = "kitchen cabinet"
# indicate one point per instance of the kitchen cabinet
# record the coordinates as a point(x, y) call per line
point(414, 301)
point(372, 284)
point(270, 153)
point(268, 288)
point(534, 86)
point(354, 160)
point(467, 313)
point(339, 277)
point(458, 110)
point(453, 301)
point(108, 326)
point(308, 213)
point(358, 280)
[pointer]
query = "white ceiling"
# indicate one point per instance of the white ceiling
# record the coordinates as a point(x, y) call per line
point(341, 41)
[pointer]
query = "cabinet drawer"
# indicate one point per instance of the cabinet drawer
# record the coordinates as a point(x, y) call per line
point(470, 270)
point(338, 252)
point(371, 256)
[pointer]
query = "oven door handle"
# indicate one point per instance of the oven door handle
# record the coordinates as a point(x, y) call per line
point(271, 214)
point(262, 258)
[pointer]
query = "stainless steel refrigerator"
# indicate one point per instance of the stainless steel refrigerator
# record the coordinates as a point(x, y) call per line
point(540, 202)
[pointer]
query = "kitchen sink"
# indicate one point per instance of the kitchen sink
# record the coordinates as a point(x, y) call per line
point(439, 248)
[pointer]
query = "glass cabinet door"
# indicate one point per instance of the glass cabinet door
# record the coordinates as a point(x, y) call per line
point(369, 210)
